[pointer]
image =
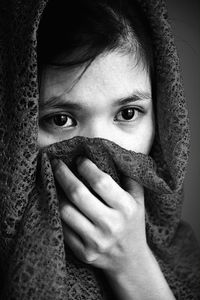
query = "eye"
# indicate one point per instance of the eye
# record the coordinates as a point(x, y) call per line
point(127, 114)
point(59, 120)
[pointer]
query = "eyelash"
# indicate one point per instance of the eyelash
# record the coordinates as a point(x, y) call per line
point(135, 109)
point(47, 120)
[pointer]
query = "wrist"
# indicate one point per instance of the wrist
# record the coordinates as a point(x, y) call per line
point(132, 263)
point(140, 279)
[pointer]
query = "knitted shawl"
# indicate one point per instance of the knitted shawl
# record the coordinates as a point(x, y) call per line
point(35, 262)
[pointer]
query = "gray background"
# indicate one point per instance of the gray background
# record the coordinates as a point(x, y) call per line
point(184, 16)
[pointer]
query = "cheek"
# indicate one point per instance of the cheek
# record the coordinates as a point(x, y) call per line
point(45, 139)
point(141, 139)
point(149, 141)
point(149, 132)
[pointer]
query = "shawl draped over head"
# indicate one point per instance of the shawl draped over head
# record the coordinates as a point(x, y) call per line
point(35, 263)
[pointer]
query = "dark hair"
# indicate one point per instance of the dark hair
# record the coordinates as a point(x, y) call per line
point(75, 32)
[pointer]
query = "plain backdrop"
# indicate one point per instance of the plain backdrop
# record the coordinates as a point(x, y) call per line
point(185, 21)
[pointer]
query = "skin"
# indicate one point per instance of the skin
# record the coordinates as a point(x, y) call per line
point(109, 235)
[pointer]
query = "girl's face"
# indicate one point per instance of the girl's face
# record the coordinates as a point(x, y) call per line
point(112, 100)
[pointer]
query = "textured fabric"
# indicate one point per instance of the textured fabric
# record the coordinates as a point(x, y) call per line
point(34, 261)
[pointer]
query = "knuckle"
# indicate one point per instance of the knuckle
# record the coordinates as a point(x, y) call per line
point(66, 212)
point(118, 227)
point(113, 225)
point(130, 210)
point(101, 246)
point(102, 182)
point(110, 227)
point(76, 193)
point(89, 257)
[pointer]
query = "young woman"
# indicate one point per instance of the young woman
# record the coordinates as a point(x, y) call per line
point(101, 218)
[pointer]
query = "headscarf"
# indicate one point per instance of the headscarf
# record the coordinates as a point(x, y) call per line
point(35, 263)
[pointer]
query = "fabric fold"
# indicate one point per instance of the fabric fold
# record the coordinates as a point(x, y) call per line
point(43, 264)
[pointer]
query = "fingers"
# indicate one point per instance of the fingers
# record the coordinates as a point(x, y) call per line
point(91, 207)
point(79, 194)
point(73, 241)
point(83, 250)
point(77, 221)
point(103, 184)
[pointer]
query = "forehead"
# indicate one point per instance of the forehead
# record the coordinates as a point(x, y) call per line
point(110, 75)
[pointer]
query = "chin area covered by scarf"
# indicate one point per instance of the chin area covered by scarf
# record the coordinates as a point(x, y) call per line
point(35, 263)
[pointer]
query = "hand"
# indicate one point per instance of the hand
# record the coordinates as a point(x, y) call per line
point(105, 227)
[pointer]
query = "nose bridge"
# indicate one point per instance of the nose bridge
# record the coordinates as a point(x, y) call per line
point(98, 128)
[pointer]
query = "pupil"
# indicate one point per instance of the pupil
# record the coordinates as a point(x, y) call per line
point(128, 114)
point(60, 120)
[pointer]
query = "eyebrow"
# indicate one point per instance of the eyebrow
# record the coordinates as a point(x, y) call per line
point(59, 102)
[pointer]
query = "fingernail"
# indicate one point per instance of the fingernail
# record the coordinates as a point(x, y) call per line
point(55, 163)
point(79, 160)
